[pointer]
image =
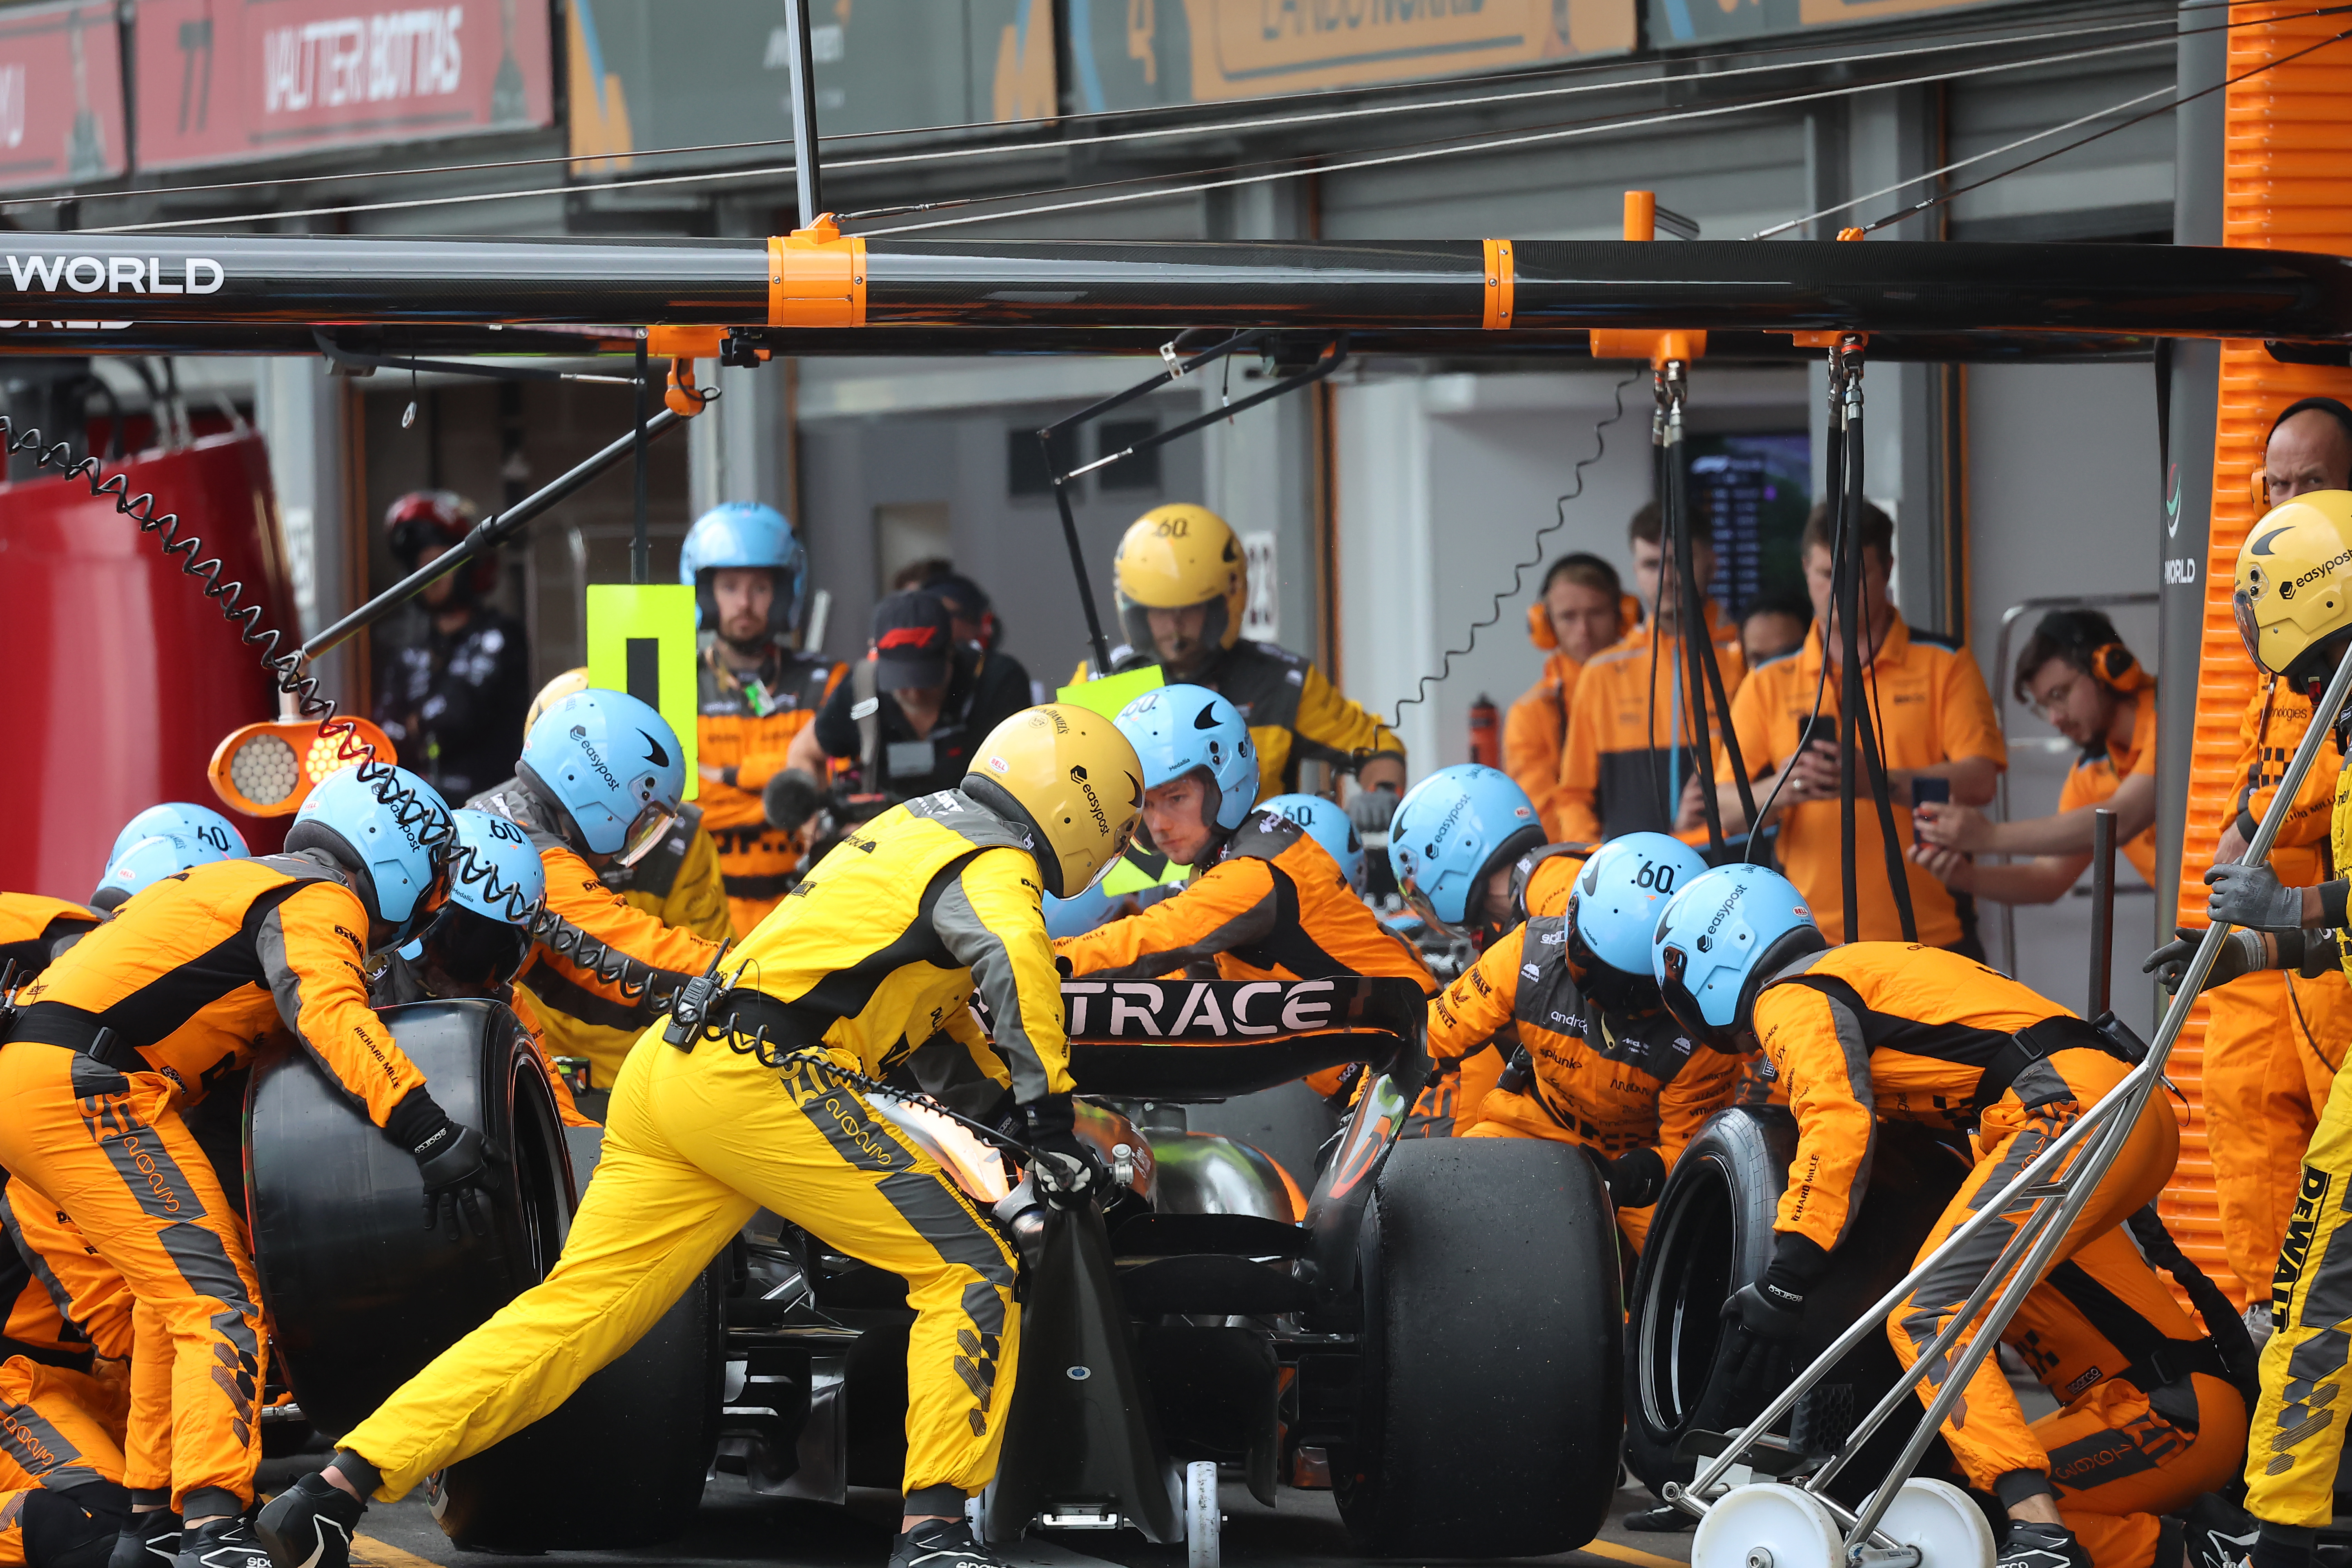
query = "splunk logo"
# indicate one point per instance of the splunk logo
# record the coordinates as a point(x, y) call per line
point(111, 275)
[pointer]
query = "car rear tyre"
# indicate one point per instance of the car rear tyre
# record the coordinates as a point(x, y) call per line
point(1489, 1408)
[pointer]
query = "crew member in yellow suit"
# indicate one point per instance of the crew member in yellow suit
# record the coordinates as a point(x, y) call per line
point(755, 691)
point(677, 882)
point(1181, 584)
point(881, 947)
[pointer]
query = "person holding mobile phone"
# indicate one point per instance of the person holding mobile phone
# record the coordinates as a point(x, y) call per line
point(1937, 731)
point(2078, 675)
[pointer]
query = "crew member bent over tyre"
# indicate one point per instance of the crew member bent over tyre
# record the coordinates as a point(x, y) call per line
point(192, 981)
point(61, 1497)
point(1877, 1030)
point(880, 948)
point(1598, 1062)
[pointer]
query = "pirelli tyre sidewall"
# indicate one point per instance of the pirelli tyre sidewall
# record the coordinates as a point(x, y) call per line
point(619, 1464)
point(1489, 1404)
point(360, 1295)
point(1712, 1234)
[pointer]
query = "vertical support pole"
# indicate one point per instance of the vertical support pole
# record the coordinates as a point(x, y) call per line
point(641, 554)
point(803, 108)
point(2103, 912)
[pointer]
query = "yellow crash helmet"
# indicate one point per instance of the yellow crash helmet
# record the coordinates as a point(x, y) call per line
point(1070, 778)
point(553, 692)
point(1176, 556)
point(2294, 589)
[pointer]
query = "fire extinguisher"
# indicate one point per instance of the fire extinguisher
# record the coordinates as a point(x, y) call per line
point(1485, 733)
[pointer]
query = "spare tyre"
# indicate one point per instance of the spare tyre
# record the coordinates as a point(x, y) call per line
point(360, 1295)
point(1489, 1404)
point(553, 1485)
point(1712, 1233)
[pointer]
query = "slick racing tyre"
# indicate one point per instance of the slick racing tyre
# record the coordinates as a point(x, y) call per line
point(619, 1464)
point(1489, 1406)
point(1712, 1233)
point(362, 1296)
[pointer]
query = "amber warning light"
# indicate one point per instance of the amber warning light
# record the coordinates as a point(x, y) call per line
point(269, 769)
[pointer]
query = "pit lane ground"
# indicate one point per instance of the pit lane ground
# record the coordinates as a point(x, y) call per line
point(734, 1527)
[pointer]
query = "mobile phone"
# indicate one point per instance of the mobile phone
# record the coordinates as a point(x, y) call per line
point(1925, 790)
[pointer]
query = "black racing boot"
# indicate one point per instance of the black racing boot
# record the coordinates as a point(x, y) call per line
point(149, 1540)
point(221, 1543)
point(942, 1544)
point(309, 1524)
point(2032, 1545)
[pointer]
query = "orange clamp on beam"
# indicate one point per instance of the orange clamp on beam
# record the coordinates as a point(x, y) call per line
point(815, 278)
point(1502, 284)
point(683, 397)
point(684, 343)
point(1658, 348)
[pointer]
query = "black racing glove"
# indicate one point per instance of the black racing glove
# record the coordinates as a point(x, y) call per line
point(1067, 1169)
point(2242, 953)
point(1636, 1178)
point(459, 1164)
point(2253, 896)
point(1764, 1319)
point(1372, 809)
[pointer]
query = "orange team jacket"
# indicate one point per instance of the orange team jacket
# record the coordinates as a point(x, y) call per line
point(1274, 905)
point(744, 730)
point(1930, 697)
point(1612, 1083)
point(2101, 770)
point(32, 929)
point(595, 919)
point(1631, 732)
point(1879, 1030)
point(1535, 731)
point(204, 971)
point(1543, 878)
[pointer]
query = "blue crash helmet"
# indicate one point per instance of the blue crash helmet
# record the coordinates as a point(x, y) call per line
point(393, 830)
point(1327, 823)
point(1453, 830)
point(745, 533)
point(1719, 940)
point(182, 819)
point(493, 869)
point(1618, 896)
point(614, 768)
point(1178, 729)
point(150, 860)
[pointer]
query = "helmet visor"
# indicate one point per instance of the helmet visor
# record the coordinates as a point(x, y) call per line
point(2242, 606)
point(1419, 903)
point(645, 832)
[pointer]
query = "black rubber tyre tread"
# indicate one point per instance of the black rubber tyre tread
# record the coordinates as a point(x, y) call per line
point(1489, 1404)
point(360, 1295)
point(1712, 1233)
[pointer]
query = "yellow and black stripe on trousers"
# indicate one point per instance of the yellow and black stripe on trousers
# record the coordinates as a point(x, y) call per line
point(2297, 1438)
point(694, 1144)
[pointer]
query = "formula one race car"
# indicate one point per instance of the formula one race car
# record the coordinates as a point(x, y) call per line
point(1435, 1332)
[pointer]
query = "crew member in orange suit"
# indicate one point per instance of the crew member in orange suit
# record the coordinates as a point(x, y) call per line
point(750, 577)
point(1265, 901)
point(62, 1500)
point(1879, 1030)
point(1583, 609)
point(196, 976)
point(1597, 1061)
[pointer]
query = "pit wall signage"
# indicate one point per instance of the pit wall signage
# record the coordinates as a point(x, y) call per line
point(238, 80)
point(1134, 54)
point(1674, 22)
point(60, 96)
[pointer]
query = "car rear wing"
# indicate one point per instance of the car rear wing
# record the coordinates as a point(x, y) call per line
point(1189, 1040)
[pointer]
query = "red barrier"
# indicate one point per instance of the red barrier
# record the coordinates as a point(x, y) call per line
point(121, 676)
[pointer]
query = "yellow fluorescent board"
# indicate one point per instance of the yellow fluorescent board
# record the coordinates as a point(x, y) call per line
point(641, 641)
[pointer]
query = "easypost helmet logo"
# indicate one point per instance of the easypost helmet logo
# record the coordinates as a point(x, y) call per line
point(595, 762)
point(1094, 806)
point(2287, 589)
